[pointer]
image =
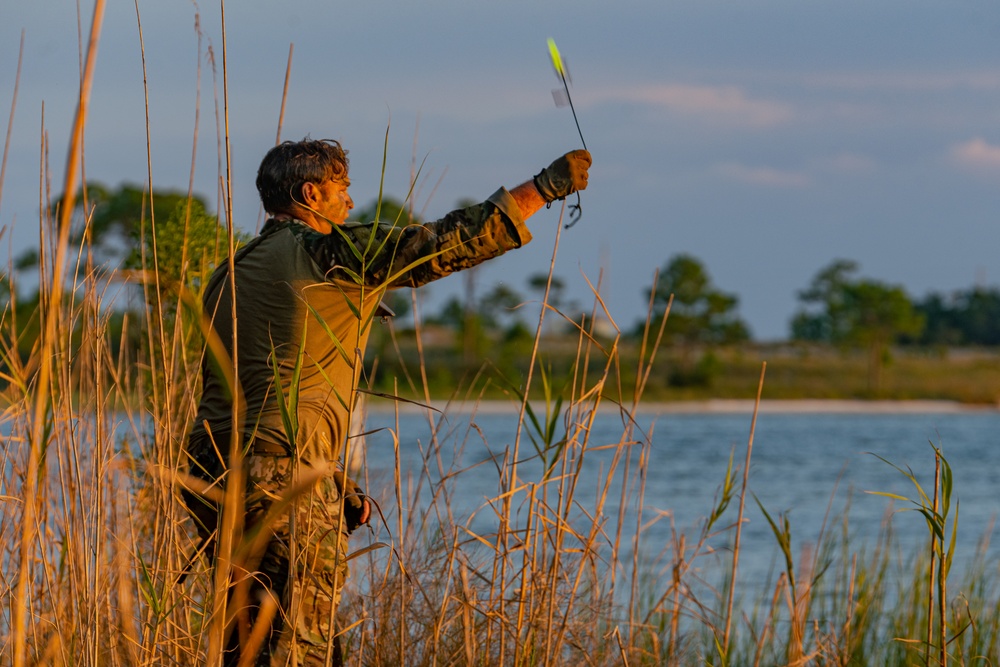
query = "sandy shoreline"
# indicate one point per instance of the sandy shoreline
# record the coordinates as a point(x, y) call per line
point(718, 406)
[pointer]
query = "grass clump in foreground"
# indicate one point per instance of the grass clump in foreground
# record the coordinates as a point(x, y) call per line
point(554, 568)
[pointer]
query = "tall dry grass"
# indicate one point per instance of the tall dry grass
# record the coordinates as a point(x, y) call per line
point(97, 556)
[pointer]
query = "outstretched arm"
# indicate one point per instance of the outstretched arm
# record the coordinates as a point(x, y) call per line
point(410, 256)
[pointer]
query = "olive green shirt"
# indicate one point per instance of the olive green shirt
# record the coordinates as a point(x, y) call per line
point(305, 302)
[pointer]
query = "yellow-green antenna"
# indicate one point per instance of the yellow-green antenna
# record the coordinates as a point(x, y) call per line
point(557, 63)
point(556, 58)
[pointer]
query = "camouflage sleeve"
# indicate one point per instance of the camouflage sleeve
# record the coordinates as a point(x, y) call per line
point(410, 256)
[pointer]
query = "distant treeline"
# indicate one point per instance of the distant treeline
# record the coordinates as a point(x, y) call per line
point(838, 307)
point(965, 317)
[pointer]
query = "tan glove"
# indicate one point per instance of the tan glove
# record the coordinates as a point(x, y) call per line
point(564, 176)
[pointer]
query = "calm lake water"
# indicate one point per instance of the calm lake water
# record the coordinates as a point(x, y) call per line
point(802, 466)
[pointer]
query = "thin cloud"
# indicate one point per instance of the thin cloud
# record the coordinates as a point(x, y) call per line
point(976, 154)
point(906, 81)
point(848, 163)
point(726, 104)
point(766, 176)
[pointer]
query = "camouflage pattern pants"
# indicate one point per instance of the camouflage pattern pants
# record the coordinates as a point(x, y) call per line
point(299, 560)
point(307, 545)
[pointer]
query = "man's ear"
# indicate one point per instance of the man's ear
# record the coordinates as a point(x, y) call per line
point(310, 194)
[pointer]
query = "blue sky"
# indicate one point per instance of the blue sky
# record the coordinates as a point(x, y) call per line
point(766, 138)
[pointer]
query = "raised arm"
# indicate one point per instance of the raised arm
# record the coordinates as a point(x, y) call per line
point(417, 254)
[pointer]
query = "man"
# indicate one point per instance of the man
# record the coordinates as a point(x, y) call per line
point(307, 289)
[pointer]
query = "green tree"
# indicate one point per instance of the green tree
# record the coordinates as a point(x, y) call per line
point(881, 314)
point(184, 250)
point(700, 313)
point(112, 219)
point(864, 313)
point(113, 226)
point(824, 317)
point(176, 248)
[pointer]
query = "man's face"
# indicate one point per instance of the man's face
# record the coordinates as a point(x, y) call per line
point(334, 203)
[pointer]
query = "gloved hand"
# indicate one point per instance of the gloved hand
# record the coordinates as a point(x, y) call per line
point(357, 509)
point(564, 176)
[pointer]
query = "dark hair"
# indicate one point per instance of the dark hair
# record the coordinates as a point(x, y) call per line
point(291, 164)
